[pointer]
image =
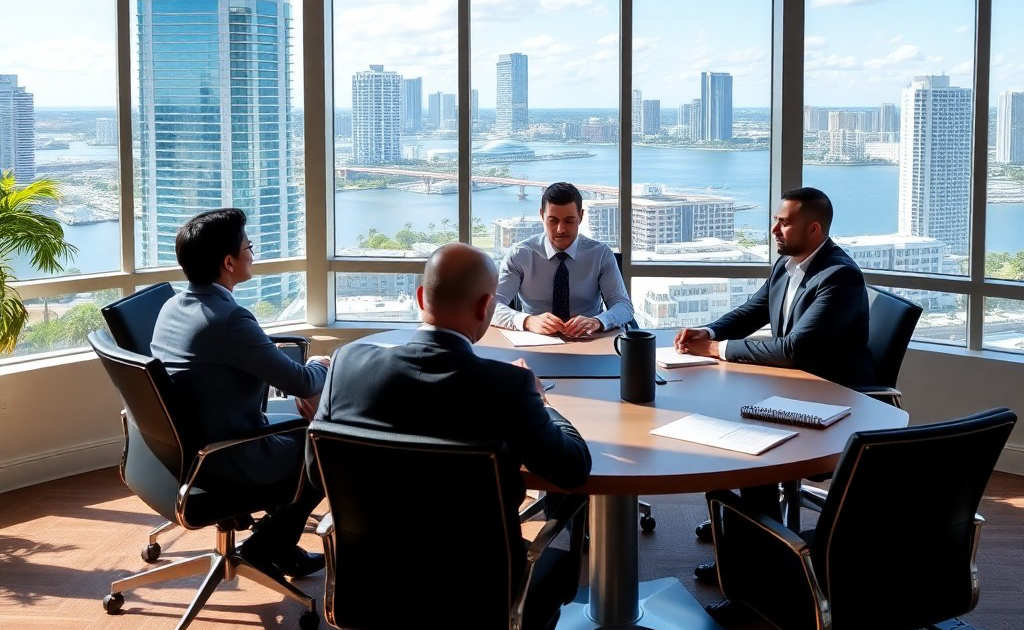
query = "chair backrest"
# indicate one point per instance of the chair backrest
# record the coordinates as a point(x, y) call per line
point(891, 323)
point(896, 533)
point(387, 493)
point(131, 319)
point(155, 457)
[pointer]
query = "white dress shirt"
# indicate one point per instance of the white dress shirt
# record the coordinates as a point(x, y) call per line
point(796, 272)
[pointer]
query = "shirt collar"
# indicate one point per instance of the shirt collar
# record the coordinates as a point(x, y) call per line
point(213, 287)
point(550, 250)
point(434, 328)
point(792, 266)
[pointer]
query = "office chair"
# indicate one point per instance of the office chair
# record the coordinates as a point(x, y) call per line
point(164, 469)
point(891, 322)
point(131, 321)
point(392, 563)
point(829, 578)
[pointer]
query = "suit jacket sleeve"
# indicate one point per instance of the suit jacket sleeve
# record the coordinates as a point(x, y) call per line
point(251, 350)
point(551, 447)
point(510, 278)
point(831, 312)
point(744, 319)
point(619, 309)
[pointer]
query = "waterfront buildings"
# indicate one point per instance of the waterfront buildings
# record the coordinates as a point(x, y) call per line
point(660, 219)
point(106, 131)
point(474, 108)
point(1010, 128)
point(716, 105)
point(434, 110)
point(637, 113)
point(935, 161)
point(512, 107)
point(889, 118)
point(696, 120)
point(17, 129)
point(412, 105)
point(449, 112)
point(216, 130)
point(650, 123)
point(376, 116)
point(509, 231)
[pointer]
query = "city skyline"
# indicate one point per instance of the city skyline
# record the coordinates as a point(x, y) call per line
point(17, 129)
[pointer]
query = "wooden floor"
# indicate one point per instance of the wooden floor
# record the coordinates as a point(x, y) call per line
point(61, 544)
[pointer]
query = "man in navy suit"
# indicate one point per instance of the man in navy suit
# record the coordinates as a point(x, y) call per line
point(816, 302)
point(220, 360)
point(435, 385)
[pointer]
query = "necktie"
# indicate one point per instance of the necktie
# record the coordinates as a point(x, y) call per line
point(560, 296)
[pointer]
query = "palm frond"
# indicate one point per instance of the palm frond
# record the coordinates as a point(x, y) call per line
point(12, 312)
point(25, 231)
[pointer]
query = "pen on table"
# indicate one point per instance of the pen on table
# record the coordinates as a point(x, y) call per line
point(548, 385)
point(659, 378)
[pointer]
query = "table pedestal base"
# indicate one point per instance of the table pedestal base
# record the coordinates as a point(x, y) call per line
point(664, 605)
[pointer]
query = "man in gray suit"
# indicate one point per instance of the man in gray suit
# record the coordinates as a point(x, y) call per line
point(220, 360)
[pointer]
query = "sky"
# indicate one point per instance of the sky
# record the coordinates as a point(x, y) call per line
point(857, 52)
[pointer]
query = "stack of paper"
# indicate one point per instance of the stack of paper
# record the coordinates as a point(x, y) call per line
point(520, 338)
point(667, 357)
point(751, 439)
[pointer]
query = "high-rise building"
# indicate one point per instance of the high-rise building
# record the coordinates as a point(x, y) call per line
point(434, 110)
point(935, 161)
point(651, 122)
point(474, 108)
point(509, 231)
point(17, 129)
point(815, 118)
point(106, 131)
point(716, 105)
point(660, 219)
point(412, 105)
point(216, 129)
point(449, 111)
point(637, 113)
point(683, 117)
point(512, 108)
point(572, 130)
point(889, 118)
point(696, 120)
point(376, 116)
point(1010, 128)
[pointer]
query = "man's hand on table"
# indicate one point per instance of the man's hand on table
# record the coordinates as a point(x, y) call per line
point(581, 326)
point(696, 341)
point(322, 360)
point(307, 406)
point(536, 381)
point(544, 324)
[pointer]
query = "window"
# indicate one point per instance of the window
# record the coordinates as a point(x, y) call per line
point(701, 125)
point(688, 302)
point(887, 129)
point(395, 128)
point(378, 297)
point(1004, 325)
point(943, 317)
point(62, 321)
point(273, 299)
point(58, 121)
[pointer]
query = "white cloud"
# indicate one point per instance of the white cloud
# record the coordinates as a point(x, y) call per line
point(963, 28)
point(831, 62)
point(896, 39)
point(905, 52)
point(964, 67)
point(543, 46)
point(609, 39)
point(812, 42)
point(558, 5)
point(838, 3)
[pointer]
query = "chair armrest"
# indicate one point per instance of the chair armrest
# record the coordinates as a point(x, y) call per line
point(979, 522)
point(781, 584)
point(569, 508)
point(326, 526)
point(532, 510)
point(889, 395)
point(812, 498)
point(296, 339)
point(280, 428)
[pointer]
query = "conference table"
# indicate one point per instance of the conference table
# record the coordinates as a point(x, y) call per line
point(628, 461)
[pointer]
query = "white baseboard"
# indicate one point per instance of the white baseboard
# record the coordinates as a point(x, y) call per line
point(62, 462)
point(1012, 459)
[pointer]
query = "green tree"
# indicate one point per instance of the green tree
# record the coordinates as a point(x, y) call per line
point(23, 230)
point(265, 311)
point(78, 322)
point(42, 336)
point(994, 263)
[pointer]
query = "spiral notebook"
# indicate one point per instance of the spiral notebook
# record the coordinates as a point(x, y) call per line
point(793, 411)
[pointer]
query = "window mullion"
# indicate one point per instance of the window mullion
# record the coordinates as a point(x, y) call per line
point(979, 172)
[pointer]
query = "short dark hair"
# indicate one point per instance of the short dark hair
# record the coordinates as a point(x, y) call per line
point(814, 202)
point(204, 241)
point(561, 193)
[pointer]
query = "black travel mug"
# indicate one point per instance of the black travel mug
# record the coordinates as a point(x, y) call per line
point(636, 377)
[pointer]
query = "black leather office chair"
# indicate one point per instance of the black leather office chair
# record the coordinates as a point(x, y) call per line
point(829, 577)
point(162, 466)
point(394, 564)
point(891, 322)
point(131, 321)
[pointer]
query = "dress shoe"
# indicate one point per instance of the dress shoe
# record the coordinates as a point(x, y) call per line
point(706, 573)
point(259, 559)
point(301, 563)
point(704, 532)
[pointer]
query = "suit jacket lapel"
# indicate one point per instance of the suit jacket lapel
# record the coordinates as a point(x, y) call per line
point(776, 297)
point(816, 265)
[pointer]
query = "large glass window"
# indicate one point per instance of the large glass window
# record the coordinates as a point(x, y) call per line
point(377, 297)
point(1004, 325)
point(701, 127)
point(547, 111)
point(272, 299)
point(62, 321)
point(688, 302)
point(887, 129)
point(218, 121)
point(58, 121)
point(395, 127)
point(943, 317)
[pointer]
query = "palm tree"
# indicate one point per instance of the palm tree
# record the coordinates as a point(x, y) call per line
point(25, 231)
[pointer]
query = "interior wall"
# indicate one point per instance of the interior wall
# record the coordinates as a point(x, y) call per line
point(60, 416)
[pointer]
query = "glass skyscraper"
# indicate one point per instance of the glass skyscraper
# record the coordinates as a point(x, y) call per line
point(216, 129)
point(376, 116)
point(1010, 128)
point(17, 130)
point(716, 105)
point(512, 108)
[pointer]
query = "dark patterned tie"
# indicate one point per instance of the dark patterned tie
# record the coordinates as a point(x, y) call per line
point(560, 296)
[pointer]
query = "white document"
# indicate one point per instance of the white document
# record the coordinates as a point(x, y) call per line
point(751, 439)
point(667, 357)
point(526, 338)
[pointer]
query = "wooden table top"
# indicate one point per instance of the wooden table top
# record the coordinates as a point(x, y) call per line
point(628, 460)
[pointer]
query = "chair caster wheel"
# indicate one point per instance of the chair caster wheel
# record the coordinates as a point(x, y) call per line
point(647, 524)
point(112, 603)
point(704, 533)
point(310, 620)
point(150, 553)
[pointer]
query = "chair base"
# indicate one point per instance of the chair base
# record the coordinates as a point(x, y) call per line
point(223, 564)
point(664, 604)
